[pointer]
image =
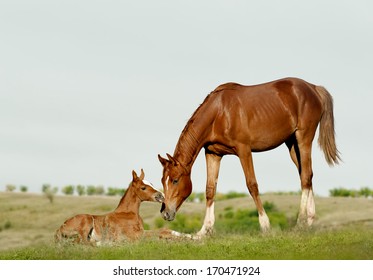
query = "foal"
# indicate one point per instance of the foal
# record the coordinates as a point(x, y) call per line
point(123, 223)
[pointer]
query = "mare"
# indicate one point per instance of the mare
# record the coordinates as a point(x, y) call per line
point(239, 120)
point(123, 223)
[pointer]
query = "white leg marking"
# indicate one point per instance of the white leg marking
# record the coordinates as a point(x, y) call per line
point(181, 235)
point(307, 208)
point(303, 203)
point(311, 212)
point(264, 222)
point(175, 233)
point(208, 222)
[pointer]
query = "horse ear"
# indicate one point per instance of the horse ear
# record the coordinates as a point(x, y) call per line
point(162, 160)
point(142, 176)
point(134, 175)
point(172, 160)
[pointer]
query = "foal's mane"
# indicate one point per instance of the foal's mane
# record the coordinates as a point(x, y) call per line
point(124, 195)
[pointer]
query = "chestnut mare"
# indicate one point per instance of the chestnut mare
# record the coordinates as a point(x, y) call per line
point(123, 223)
point(238, 120)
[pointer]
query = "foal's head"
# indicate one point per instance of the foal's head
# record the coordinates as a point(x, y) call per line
point(145, 190)
point(177, 186)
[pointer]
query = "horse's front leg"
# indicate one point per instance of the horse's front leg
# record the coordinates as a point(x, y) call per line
point(213, 165)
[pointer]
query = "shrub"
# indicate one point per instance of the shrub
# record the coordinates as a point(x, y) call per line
point(340, 192)
point(115, 191)
point(23, 188)
point(183, 223)
point(68, 190)
point(10, 188)
point(233, 194)
point(366, 192)
point(49, 191)
point(228, 221)
point(196, 197)
point(92, 190)
point(343, 192)
point(6, 225)
point(246, 220)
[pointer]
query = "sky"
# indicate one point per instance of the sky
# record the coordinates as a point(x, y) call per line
point(91, 90)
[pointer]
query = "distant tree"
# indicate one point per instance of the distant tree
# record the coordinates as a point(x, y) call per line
point(343, 192)
point(95, 190)
point(233, 194)
point(114, 191)
point(81, 190)
point(111, 191)
point(49, 192)
point(23, 188)
point(10, 188)
point(68, 190)
point(99, 190)
point(366, 192)
point(196, 197)
point(121, 191)
point(91, 190)
point(191, 197)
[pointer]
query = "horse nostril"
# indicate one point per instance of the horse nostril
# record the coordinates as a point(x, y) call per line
point(163, 207)
point(166, 216)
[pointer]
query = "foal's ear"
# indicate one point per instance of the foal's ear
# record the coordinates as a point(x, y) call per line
point(142, 175)
point(162, 160)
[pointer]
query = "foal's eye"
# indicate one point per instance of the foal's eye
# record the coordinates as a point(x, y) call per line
point(143, 188)
point(175, 181)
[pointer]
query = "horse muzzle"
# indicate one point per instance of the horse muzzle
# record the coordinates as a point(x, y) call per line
point(167, 214)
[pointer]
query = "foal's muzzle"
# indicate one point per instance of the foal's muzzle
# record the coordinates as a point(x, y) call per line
point(159, 198)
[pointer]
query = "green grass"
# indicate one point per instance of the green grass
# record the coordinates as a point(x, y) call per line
point(343, 230)
point(349, 244)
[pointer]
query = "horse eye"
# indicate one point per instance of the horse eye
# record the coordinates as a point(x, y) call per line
point(143, 188)
point(175, 181)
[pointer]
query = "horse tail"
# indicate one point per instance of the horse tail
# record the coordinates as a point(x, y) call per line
point(326, 131)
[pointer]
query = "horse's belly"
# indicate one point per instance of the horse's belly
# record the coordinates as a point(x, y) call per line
point(269, 137)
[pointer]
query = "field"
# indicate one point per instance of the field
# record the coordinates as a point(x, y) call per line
point(343, 230)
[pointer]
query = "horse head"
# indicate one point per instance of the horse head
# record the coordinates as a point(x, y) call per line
point(145, 190)
point(177, 186)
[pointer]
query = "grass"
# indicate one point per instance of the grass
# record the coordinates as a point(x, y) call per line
point(348, 244)
point(343, 230)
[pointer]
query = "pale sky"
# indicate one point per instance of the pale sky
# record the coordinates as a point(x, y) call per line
point(90, 90)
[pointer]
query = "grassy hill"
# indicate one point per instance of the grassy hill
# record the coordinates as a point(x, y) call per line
point(28, 223)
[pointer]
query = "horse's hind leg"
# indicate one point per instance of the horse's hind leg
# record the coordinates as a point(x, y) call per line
point(300, 151)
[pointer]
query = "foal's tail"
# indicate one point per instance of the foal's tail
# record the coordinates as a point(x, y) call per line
point(326, 130)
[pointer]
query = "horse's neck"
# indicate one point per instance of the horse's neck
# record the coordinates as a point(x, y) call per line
point(130, 202)
point(191, 141)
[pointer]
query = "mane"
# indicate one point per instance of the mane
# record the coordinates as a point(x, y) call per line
point(192, 118)
point(124, 195)
point(226, 86)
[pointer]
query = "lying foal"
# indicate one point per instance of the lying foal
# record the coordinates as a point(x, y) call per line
point(123, 223)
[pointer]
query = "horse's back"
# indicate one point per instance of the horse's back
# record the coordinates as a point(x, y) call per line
point(263, 115)
point(288, 97)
